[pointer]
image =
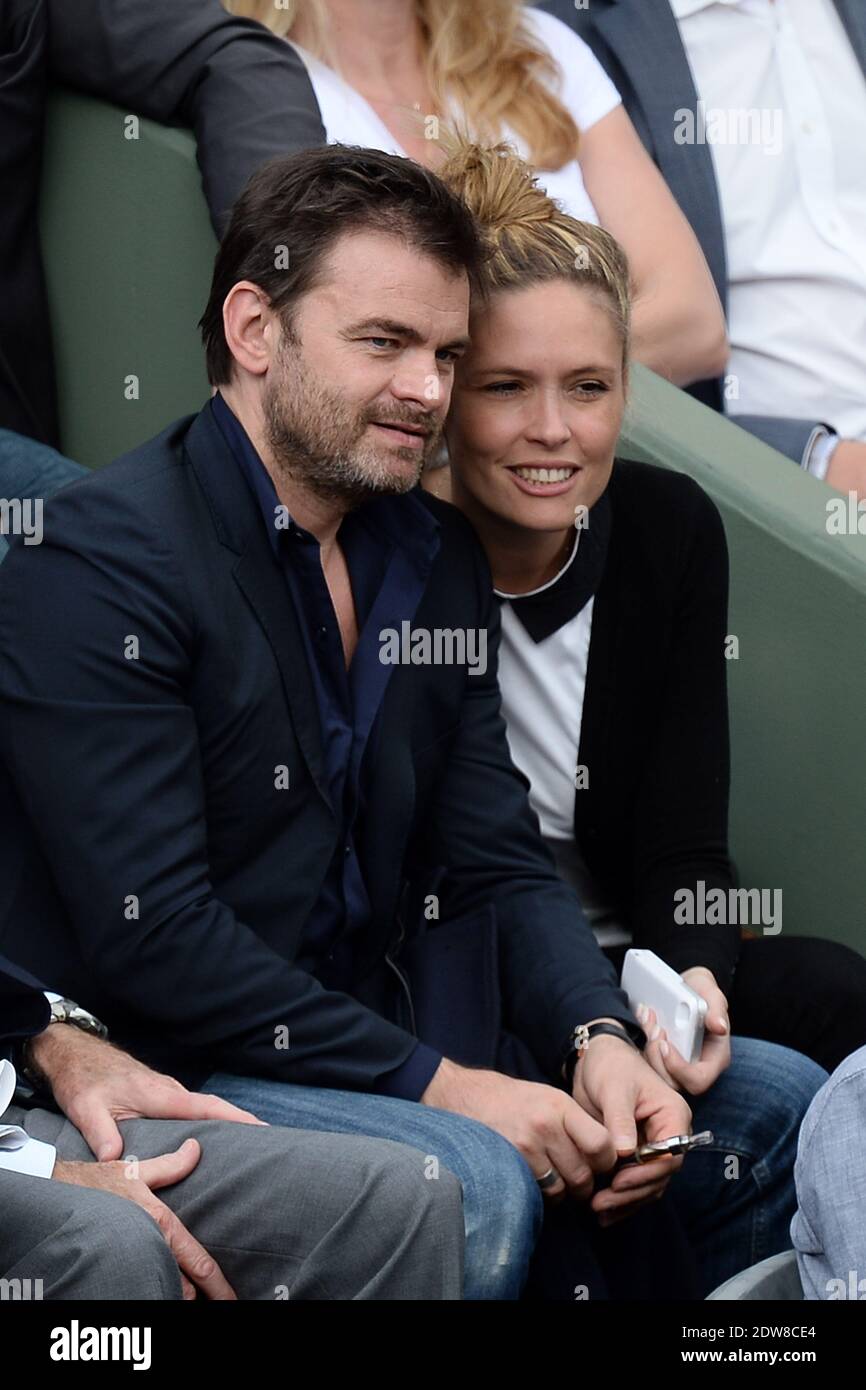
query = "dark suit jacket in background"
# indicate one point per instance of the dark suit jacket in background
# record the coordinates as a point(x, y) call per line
point(244, 93)
point(154, 778)
point(638, 43)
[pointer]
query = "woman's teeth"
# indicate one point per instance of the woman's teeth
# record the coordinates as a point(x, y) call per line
point(544, 475)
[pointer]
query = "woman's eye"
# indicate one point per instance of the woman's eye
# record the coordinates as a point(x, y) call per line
point(591, 388)
point(502, 388)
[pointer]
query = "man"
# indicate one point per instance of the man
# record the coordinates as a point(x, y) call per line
point(243, 91)
point(293, 1215)
point(755, 112)
point(234, 772)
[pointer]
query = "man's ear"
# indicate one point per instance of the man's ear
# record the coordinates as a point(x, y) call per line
point(249, 323)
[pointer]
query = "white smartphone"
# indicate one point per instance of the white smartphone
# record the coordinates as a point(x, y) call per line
point(646, 979)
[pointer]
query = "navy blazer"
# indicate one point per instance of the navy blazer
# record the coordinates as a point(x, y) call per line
point(24, 1010)
point(152, 682)
point(638, 43)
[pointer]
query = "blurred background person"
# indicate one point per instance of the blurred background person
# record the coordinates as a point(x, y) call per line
point(755, 113)
point(385, 71)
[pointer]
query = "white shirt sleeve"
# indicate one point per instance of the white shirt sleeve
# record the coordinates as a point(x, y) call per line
point(33, 1157)
point(18, 1152)
point(585, 88)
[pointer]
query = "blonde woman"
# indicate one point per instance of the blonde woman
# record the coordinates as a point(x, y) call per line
point(386, 72)
point(612, 580)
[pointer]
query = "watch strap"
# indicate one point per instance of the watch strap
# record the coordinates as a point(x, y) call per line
point(582, 1036)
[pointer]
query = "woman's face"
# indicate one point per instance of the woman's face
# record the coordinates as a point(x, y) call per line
point(541, 388)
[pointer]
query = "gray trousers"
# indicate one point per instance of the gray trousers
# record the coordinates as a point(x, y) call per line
point(286, 1214)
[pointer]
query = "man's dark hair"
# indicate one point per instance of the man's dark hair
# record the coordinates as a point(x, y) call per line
point(296, 206)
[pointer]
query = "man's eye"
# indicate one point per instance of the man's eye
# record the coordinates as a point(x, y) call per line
point(388, 342)
point(447, 355)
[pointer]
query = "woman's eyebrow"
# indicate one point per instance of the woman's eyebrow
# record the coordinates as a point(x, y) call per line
point(592, 369)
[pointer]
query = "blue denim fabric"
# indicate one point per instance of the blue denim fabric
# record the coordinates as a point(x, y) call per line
point(502, 1204)
point(829, 1228)
point(736, 1197)
point(31, 469)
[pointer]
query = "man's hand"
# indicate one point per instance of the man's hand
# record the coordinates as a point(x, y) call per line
point(542, 1122)
point(663, 1057)
point(614, 1084)
point(198, 1268)
point(95, 1085)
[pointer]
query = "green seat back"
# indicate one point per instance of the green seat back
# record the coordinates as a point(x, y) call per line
point(128, 251)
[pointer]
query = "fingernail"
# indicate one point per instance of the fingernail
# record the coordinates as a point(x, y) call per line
point(624, 1141)
point(664, 1049)
point(654, 1034)
point(724, 1025)
point(641, 1013)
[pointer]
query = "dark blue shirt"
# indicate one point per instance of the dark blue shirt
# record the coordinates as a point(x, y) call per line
point(389, 545)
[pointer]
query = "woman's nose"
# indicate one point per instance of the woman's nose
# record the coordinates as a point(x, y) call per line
point(548, 425)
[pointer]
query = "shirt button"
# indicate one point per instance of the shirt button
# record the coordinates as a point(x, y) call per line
point(348, 850)
point(323, 631)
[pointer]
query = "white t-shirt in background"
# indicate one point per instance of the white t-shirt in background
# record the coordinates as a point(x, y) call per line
point(584, 89)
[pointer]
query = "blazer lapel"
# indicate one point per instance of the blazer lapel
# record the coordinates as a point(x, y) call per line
point(644, 37)
point(853, 15)
point(239, 528)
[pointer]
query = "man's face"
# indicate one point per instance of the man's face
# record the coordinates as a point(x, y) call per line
point(372, 349)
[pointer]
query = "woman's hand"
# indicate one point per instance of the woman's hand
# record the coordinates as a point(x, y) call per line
point(663, 1057)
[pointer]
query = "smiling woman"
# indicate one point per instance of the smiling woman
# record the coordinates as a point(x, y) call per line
point(613, 581)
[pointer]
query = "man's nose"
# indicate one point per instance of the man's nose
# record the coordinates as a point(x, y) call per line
point(420, 381)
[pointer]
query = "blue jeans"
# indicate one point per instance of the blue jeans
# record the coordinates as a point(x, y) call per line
point(735, 1198)
point(502, 1204)
point(31, 469)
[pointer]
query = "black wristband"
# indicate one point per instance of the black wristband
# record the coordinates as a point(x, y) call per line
point(580, 1039)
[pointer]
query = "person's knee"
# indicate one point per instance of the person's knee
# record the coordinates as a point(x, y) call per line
point(117, 1247)
point(504, 1211)
point(782, 1084)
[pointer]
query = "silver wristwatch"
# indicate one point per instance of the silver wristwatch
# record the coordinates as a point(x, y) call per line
point(67, 1011)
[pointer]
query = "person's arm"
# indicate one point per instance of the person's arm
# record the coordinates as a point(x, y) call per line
point(681, 811)
point(678, 324)
point(104, 751)
point(481, 828)
point(24, 1009)
point(839, 462)
point(243, 91)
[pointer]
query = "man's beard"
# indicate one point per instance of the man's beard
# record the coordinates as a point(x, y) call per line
point(316, 439)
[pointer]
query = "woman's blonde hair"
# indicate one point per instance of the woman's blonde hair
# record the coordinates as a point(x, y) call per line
point(480, 52)
point(530, 240)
